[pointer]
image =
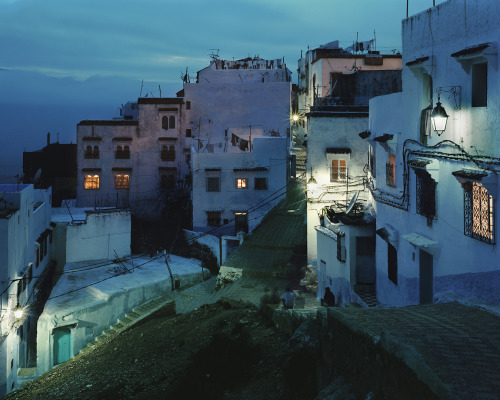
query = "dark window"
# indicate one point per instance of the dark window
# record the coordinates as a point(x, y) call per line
point(95, 153)
point(30, 274)
point(213, 184)
point(88, 152)
point(188, 132)
point(122, 152)
point(365, 246)
point(164, 123)
point(167, 181)
point(390, 171)
point(341, 252)
point(213, 218)
point(478, 212)
point(168, 153)
point(426, 194)
point(240, 222)
point(171, 122)
point(392, 263)
point(188, 105)
point(480, 85)
point(260, 184)
point(37, 256)
point(371, 160)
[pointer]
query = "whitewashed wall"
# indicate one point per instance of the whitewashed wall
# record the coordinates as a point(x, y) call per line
point(462, 265)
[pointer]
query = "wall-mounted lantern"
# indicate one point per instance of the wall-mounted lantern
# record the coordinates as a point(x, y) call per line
point(439, 118)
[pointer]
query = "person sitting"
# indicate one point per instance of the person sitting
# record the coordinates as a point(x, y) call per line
point(329, 299)
point(287, 299)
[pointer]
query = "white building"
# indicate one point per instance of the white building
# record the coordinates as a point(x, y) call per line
point(233, 191)
point(436, 193)
point(130, 162)
point(235, 101)
point(25, 268)
point(335, 86)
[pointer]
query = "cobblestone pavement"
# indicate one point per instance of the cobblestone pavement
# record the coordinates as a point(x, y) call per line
point(453, 348)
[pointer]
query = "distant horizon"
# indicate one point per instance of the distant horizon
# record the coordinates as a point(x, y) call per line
point(66, 63)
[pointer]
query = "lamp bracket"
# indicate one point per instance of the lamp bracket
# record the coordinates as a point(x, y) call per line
point(454, 92)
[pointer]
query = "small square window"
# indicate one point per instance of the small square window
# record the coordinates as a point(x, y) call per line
point(188, 132)
point(338, 171)
point(213, 184)
point(260, 184)
point(188, 105)
point(241, 183)
point(213, 218)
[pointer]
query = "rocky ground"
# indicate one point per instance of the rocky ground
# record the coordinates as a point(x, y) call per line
point(226, 350)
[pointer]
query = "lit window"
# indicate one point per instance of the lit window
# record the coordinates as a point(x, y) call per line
point(339, 171)
point(122, 181)
point(390, 171)
point(91, 182)
point(241, 183)
point(478, 212)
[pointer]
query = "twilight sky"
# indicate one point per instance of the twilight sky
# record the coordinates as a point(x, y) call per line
point(63, 61)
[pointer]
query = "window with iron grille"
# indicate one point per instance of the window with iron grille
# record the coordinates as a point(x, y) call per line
point(213, 184)
point(91, 182)
point(122, 181)
point(213, 218)
point(260, 184)
point(390, 171)
point(338, 171)
point(341, 252)
point(478, 213)
point(392, 263)
point(426, 194)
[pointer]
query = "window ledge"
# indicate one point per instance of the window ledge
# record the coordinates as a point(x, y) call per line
point(485, 52)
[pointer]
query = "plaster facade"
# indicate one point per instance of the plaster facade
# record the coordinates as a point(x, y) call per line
point(25, 253)
point(438, 223)
point(233, 191)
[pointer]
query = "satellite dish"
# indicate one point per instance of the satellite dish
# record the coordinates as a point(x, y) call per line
point(352, 202)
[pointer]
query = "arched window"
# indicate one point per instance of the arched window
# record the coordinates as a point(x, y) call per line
point(164, 122)
point(95, 154)
point(118, 152)
point(88, 152)
point(126, 152)
point(168, 153)
point(91, 182)
point(171, 122)
point(122, 181)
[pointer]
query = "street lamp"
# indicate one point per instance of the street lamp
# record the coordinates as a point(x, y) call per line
point(439, 118)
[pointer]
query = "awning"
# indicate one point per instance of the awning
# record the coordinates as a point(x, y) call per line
point(384, 138)
point(418, 163)
point(471, 50)
point(389, 234)
point(423, 243)
point(364, 134)
point(416, 61)
point(338, 150)
point(487, 178)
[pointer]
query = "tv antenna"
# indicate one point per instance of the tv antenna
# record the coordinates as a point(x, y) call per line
point(214, 56)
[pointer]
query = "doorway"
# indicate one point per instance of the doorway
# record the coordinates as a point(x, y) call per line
point(426, 278)
point(62, 345)
point(240, 222)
